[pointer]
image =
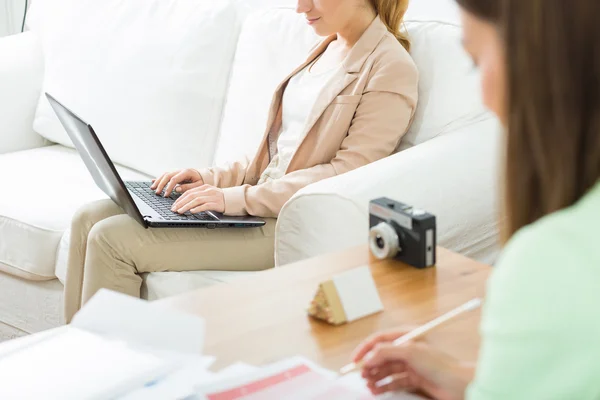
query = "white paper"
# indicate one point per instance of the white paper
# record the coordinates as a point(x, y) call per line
point(24, 341)
point(139, 321)
point(115, 344)
point(358, 293)
point(236, 370)
point(75, 364)
point(355, 382)
point(292, 379)
point(179, 384)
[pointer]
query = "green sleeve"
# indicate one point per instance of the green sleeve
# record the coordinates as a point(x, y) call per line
point(536, 336)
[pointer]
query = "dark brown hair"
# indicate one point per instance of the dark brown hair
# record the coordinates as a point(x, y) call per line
point(552, 52)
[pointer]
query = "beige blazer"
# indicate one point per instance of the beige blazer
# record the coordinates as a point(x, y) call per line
point(359, 118)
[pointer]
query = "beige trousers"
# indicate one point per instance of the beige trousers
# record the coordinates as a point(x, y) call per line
point(108, 249)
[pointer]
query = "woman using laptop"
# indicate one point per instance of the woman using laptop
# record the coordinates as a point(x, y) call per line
point(539, 63)
point(348, 105)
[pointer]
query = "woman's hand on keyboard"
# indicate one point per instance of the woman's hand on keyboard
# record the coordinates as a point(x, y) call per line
point(181, 181)
point(203, 198)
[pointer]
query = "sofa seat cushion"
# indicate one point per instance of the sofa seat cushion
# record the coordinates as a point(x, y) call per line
point(29, 307)
point(44, 187)
point(159, 285)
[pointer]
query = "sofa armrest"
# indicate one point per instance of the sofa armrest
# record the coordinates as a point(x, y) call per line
point(453, 176)
point(21, 77)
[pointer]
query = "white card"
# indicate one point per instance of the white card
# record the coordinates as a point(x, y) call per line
point(139, 321)
point(358, 293)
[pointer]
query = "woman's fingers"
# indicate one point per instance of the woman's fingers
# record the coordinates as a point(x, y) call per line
point(193, 180)
point(183, 188)
point(196, 202)
point(383, 337)
point(155, 182)
point(429, 370)
point(383, 371)
point(183, 199)
point(203, 198)
point(204, 207)
point(418, 359)
point(391, 383)
point(383, 353)
point(178, 178)
point(163, 182)
point(169, 180)
point(191, 203)
point(188, 196)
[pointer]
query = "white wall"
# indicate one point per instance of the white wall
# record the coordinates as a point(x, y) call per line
point(441, 10)
point(11, 16)
point(11, 11)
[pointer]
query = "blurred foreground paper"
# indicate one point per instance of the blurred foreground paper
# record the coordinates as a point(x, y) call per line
point(292, 379)
point(115, 344)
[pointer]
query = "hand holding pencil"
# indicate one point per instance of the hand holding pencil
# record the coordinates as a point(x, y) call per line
point(392, 361)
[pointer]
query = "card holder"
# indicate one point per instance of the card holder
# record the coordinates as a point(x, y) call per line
point(347, 297)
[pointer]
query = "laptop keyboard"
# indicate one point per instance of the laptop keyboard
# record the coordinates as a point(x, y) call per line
point(162, 205)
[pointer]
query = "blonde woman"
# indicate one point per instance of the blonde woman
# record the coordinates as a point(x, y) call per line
point(346, 106)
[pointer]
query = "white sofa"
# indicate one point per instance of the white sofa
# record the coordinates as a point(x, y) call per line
point(447, 163)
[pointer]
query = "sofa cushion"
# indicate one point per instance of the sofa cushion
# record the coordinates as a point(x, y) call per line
point(452, 176)
point(30, 306)
point(44, 187)
point(271, 44)
point(449, 95)
point(159, 285)
point(149, 75)
point(433, 10)
point(21, 75)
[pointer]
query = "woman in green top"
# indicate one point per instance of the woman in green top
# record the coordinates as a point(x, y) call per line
point(540, 73)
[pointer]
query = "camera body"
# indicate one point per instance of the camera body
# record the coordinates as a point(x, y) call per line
point(402, 232)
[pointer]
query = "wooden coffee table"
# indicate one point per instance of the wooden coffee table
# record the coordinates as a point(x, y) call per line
point(262, 318)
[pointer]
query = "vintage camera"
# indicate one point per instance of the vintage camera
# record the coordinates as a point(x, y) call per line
point(402, 232)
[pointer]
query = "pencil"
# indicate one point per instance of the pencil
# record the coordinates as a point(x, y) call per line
point(469, 306)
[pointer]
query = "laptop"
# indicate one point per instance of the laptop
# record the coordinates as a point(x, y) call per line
point(136, 198)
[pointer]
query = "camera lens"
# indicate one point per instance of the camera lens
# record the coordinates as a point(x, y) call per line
point(384, 241)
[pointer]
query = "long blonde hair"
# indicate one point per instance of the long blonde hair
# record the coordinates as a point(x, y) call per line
point(392, 13)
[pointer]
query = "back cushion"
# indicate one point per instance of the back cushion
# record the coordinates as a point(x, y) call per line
point(449, 95)
point(272, 44)
point(149, 75)
point(433, 10)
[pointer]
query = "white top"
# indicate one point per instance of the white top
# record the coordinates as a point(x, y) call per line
point(299, 98)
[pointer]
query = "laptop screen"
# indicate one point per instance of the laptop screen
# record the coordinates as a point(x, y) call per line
point(95, 158)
